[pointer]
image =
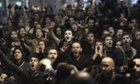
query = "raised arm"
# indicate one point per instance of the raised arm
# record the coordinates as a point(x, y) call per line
point(11, 65)
point(51, 28)
point(93, 5)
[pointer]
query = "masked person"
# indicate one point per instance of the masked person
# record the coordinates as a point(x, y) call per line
point(67, 39)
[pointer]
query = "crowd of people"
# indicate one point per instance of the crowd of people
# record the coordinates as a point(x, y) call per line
point(88, 44)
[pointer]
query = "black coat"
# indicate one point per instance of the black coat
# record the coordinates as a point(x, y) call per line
point(83, 62)
point(26, 76)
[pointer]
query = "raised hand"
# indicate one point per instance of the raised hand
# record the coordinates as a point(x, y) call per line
point(2, 41)
point(38, 49)
point(64, 47)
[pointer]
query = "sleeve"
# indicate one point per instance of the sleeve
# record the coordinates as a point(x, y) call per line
point(11, 65)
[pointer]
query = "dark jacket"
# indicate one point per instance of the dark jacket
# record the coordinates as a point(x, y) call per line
point(83, 62)
point(120, 57)
point(26, 76)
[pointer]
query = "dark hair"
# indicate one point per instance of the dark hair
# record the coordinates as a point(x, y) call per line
point(106, 37)
point(126, 33)
point(91, 18)
point(33, 55)
point(22, 51)
point(90, 33)
point(98, 40)
point(22, 27)
point(64, 70)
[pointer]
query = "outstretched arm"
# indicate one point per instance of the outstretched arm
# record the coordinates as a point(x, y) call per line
point(10, 64)
point(51, 27)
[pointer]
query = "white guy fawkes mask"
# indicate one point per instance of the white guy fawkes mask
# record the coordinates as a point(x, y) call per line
point(68, 36)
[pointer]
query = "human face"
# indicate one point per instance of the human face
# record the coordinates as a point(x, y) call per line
point(90, 38)
point(33, 63)
point(57, 19)
point(136, 66)
point(74, 27)
point(20, 23)
point(17, 54)
point(41, 45)
point(126, 40)
point(137, 35)
point(14, 35)
point(134, 22)
point(58, 31)
point(99, 45)
point(39, 33)
point(52, 54)
point(91, 23)
point(22, 32)
point(119, 33)
point(108, 41)
point(105, 32)
point(90, 11)
point(76, 49)
point(68, 35)
point(111, 30)
point(107, 66)
point(2, 77)
point(72, 20)
point(118, 44)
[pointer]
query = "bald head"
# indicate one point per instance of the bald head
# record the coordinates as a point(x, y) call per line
point(137, 60)
point(79, 78)
point(108, 60)
point(107, 66)
point(136, 67)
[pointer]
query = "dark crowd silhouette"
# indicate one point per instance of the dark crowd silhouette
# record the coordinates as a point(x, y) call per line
point(79, 44)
